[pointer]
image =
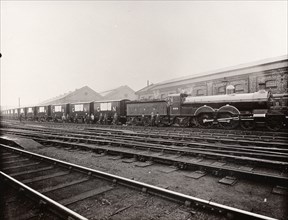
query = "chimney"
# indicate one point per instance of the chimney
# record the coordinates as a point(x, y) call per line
point(147, 82)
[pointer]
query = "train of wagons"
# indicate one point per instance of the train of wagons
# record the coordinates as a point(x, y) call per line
point(226, 111)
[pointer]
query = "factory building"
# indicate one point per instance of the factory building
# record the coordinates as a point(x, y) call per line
point(122, 92)
point(245, 78)
point(84, 94)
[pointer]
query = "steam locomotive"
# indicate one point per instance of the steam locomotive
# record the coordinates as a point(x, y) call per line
point(226, 111)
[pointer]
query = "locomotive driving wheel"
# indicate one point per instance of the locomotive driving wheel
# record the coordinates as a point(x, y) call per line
point(185, 122)
point(274, 123)
point(226, 121)
point(202, 120)
point(247, 124)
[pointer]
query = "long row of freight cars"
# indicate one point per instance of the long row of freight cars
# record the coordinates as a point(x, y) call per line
point(74, 112)
point(227, 111)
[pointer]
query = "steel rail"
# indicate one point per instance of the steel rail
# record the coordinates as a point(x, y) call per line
point(283, 133)
point(159, 139)
point(43, 200)
point(195, 136)
point(159, 158)
point(147, 188)
point(184, 139)
point(225, 149)
point(166, 148)
point(173, 161)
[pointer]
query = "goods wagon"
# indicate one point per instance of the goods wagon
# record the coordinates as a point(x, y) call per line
point(42, 113)
point(80, 112)
point(30, 113)
point(15, 113)
point(10, 113)
point(22, 112)
point(58, 112)
point(108, 112)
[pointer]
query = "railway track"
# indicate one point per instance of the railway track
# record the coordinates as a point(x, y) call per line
point(76, 187)
point(173, 155)
point(269, 150)
point(180, 139)
point(222, 136)
point(278, 153)
point(22, 202)
point(180, 131)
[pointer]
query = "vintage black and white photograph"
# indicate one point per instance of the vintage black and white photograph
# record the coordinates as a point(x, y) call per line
point(144, 110)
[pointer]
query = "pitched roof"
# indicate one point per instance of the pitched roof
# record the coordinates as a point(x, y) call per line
point(70, 94)
point(55, 98)
point(112, 92)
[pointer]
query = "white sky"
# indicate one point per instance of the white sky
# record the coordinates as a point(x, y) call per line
point(49, 47)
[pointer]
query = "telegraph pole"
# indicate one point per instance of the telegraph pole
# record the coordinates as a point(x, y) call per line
point(19, 102)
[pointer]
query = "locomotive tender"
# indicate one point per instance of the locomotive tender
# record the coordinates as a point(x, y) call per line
point(226, 111)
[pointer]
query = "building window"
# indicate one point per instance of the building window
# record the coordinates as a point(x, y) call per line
point(221, 90)
point(239, 88)
point(200, 92)
point(271, 84)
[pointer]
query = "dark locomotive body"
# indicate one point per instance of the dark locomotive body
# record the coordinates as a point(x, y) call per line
point(228, 111)
point(143, 112)
point(225, 111)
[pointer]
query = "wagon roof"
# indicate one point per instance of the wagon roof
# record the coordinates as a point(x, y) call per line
point(115, 100)
point(58, 104)
point(75, 103)
point(145, 101)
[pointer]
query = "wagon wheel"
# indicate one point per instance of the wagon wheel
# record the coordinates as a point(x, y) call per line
point(247, 124)
point(147, 122)
point(160, 123)
point(274, 123)
point(201, 120)
point(229, 123)
point(133, 121)
point(184, 122)
point(176, 122)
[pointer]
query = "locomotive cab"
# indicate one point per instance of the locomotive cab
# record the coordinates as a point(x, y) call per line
point(175, 103)
point(180, 115)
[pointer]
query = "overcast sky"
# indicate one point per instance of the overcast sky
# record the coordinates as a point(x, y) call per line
point(52, 47)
